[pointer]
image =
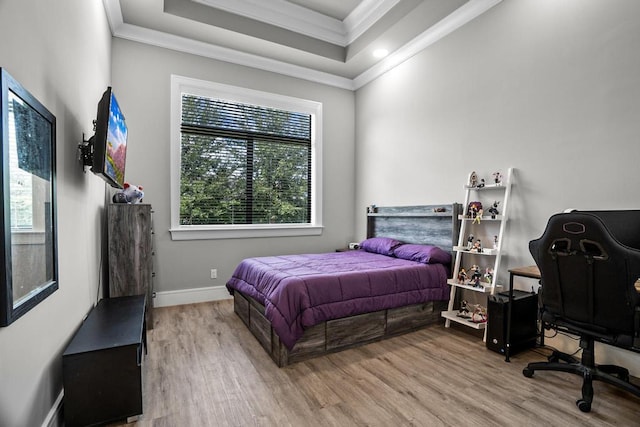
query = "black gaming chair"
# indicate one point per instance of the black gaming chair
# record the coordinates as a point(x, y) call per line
point(589, 265)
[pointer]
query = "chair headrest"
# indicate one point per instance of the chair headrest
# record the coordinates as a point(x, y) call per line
point(576, 233)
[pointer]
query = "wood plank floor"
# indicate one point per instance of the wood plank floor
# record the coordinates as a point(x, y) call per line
point(204, 368)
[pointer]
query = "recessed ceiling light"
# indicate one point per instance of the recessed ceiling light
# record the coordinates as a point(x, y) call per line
point(380, 53)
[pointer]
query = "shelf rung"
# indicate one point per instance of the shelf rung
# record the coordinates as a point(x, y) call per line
point(484, 251)
point(484, 218)
point(484, 289)
point(486, 187)
point(453, 316)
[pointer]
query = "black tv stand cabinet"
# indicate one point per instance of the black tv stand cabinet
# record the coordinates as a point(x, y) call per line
point(102, 365)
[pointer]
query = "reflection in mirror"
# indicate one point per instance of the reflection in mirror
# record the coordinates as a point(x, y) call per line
point(28, 170)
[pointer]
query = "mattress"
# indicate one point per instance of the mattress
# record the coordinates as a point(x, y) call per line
point(300, 291)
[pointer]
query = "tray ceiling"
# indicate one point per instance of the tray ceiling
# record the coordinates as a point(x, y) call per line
point(328, 41)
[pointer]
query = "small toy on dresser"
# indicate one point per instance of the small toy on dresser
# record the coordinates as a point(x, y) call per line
point(130, 194)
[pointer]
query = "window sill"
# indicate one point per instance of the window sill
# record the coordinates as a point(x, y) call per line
point(243, 231)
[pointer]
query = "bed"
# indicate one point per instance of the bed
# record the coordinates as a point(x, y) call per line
point(305, 305)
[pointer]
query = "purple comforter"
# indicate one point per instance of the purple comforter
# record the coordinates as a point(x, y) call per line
point(299, 291)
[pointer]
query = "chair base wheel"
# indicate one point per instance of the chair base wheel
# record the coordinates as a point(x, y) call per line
point(527, 372)
point(583, 405)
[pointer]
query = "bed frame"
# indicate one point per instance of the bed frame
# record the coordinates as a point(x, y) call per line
point(427, 224)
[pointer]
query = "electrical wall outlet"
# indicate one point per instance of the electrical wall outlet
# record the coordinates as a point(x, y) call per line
point(214, 273)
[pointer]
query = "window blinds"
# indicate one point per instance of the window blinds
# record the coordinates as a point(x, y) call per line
point(243, 164)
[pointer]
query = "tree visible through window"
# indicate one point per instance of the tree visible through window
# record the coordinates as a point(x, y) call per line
point(20, 179)
point(243, 164)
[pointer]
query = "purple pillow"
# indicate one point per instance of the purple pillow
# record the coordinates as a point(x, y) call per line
point(380, 245)
point(426, 254)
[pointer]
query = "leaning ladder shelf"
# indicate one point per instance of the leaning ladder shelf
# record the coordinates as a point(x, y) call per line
point(498, 192)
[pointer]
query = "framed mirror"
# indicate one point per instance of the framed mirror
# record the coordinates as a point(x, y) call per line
point(29, 264)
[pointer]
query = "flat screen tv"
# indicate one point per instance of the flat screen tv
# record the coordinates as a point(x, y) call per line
point(106, 150)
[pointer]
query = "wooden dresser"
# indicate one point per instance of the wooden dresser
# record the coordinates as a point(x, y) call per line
point(130, 232)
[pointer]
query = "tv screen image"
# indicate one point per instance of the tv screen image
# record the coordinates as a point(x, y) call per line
point(116, 146)
point(106, 150)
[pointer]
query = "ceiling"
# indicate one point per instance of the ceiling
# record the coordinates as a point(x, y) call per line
point(327, 41)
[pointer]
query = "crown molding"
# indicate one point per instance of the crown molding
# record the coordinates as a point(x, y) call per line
point(285, 15)
point(114, 14)
point(364, 16)
point(304, 21)
point(462, 15)
point(450, 23)
point(207, 50)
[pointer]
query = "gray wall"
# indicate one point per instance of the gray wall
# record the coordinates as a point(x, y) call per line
point(60, 52)
point(141, 79)
point(550, 88)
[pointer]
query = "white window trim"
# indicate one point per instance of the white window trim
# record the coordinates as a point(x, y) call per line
point(180, 85)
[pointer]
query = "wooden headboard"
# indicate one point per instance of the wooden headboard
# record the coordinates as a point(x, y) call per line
point(436, 225)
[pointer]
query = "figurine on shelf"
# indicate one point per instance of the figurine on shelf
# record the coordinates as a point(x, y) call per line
point(372, 209)
point(488, 275)
point(477, 246)
point(478, 216)
point(481, 183)
point(470, 242)
point(495, 242)
point(479, 314)
point(473, 209)
point(462, 276)
point(464, 310)
point(474, 312)
point(497, 178)
point(493, 210)
point(475, 276)
point(473, 179)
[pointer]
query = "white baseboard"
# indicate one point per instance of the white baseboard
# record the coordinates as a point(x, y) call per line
point(162, 299)
point(54, 418)
point(190, 296)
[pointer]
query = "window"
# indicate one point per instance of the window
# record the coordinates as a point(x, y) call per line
point(20, 180)
point(244, 163)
